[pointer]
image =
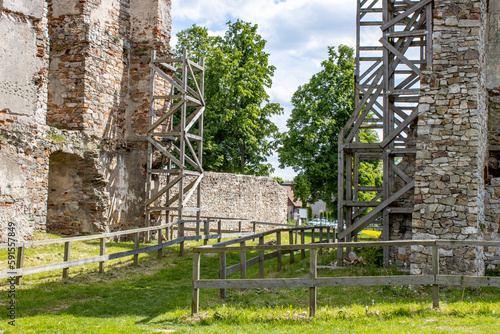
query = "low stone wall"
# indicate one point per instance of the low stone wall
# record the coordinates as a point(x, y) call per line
point(243, 196)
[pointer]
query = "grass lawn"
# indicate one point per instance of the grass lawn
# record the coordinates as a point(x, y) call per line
point(156, 297)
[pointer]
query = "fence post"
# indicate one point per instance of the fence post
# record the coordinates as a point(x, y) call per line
point(243, 261)
point(136, 246)
point(254, 227)
point(20, 263)
point(321, 240)
point(261, 258)
point(207, 231)
point(198, 228)
point(435, 272)
point(180, 234)
point(219, 230)
point(195, 302)
point(160, 241)
point(328, 235)
point(67, 251)
point(313, 235)
point(222, 271)
point(303, 241)
point(292, 252)
point(278, 252)
point(240, 227)
point(102, 250)
point(314, 274)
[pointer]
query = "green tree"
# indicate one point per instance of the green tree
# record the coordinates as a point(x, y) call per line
point(309, 213)
point(238, 133)
point(321, 108)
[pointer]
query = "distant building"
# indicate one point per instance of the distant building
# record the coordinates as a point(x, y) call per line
point(292, 206)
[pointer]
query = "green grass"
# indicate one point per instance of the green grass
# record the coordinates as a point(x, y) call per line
point(156, 297)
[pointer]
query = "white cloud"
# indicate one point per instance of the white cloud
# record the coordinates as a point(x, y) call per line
point(297, 34)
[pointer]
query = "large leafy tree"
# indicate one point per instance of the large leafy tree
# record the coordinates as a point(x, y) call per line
point(238, 133)
point(321, 108)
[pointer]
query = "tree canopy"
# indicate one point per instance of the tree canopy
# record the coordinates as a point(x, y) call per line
point(238, 133)
point(321, 108)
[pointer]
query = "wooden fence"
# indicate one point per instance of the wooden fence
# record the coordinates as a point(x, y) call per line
point(313, 281)
point(200, 234)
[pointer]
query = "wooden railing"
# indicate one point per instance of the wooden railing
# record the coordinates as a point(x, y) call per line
point(200, 234)
point(293, 238)
point(313, 281)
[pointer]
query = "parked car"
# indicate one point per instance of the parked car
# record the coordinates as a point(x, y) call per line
point(323, 222)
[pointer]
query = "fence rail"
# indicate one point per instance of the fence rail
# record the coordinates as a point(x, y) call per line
point(313, 281)
point(169, 228)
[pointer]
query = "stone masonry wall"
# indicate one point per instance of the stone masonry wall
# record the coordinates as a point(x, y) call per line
point(23, 99)
point(243, 196)
point(72, 145)
point(451, 142)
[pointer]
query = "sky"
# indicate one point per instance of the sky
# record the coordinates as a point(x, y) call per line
point(297, 32)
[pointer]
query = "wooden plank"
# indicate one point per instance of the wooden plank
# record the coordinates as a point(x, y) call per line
point(435, 272)
point(472, 281)
point(405, 14)
point(365, 219)
point(278, 243)
point(19, 263)
point(313, 273)
point(195, 299)
point(67, 251)
point(102, 251)
point(222, 272)
point(319, 282)
point(243, 261)
point(261, 259)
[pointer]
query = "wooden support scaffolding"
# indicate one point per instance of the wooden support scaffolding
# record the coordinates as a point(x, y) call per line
point(387, 76)
point(175, 138)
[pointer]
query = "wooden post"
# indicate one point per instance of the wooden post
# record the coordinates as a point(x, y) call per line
point(321, 239)
point(328, 234)
point(292, 254)
point(160, 241)
point(278, 252)
point(195, 302)
point(385, 236)
point(20, 263)
point(197, 228)
point(102, 250)
point(254, 227)
point(314, 274)
point(239, 227)
point(219, 230)
point(67, 251)
point(435, 272)
point(303, 241)
point(313, 235)
point(136, 246)
point(222, 272)
point(243, 261)
point(207, 231)
point(261, 259)
point(180, 234)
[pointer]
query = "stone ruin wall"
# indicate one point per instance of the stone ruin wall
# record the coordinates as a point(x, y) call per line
point(455, 196)
point(243, 196)
point(74, 94)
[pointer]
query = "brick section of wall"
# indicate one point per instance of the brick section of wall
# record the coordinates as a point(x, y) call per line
point(451, 144)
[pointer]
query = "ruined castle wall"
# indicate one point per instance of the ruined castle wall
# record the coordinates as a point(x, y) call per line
point(23, 99)
point(243, 196)
point(72, 145)
point(451, 142)
point(491, 226)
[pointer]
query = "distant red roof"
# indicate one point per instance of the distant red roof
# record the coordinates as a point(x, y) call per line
point(297, 203)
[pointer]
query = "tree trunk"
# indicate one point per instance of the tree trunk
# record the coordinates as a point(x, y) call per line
point(242, 157)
